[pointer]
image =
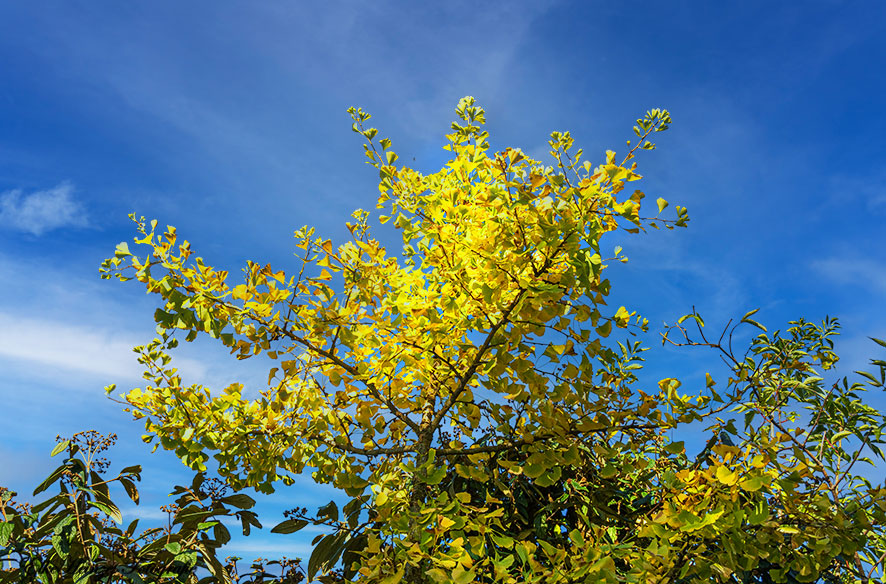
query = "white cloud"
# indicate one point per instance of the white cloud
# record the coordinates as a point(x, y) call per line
point(71, 347)
point(60, 323)
point(41, 211)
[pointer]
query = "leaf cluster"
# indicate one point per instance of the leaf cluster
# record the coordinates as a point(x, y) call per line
point(77, 536)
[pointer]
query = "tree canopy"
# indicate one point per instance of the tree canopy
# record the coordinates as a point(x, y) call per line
point(477, 393)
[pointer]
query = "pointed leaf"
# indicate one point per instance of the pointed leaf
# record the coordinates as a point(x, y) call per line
point(289, 526)
point(60, 447)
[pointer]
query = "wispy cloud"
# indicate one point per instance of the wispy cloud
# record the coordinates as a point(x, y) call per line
point(335, 51)
point(868, 189)
point(861, 272)
point(41, 211)
point(66, 347)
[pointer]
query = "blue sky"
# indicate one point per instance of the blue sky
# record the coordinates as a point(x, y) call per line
point(227, 120)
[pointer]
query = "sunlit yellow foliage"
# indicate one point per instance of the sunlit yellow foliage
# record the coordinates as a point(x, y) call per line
point(433, 384)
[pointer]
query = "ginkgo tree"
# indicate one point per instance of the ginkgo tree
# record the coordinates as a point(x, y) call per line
point(469, 395)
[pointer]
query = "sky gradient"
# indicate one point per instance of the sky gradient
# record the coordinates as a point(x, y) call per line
point(227, 120)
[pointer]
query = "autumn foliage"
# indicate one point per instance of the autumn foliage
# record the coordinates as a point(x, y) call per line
point(476, 394)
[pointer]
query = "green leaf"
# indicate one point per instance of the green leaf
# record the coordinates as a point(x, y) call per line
point(130, 489)
point(173, 547)
point(462, 576)
point(239, 500)
point(54, 476)
point(503, 541)
point(873, 380)
point(50, 503)
point(351, 555)
point(534, 470)
point(752, 484)
point(326, 554)
point(605, 564)
point(247, 520)
point(60, 544)
point(109, 509)
point(60, 447)
point(6, 528)
point(221, 533)
point(754, 323)
point(192, 514)
point(395, 578)
point(549, 478)
point(436, 476)
point(289, 526)
point(758, 513)
point(130, 529)
point(696, 317)
point(750, 314)
point(329, 510)
point(577, 538)
point(675, 447)
point(747, 318)
point(214, 566)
